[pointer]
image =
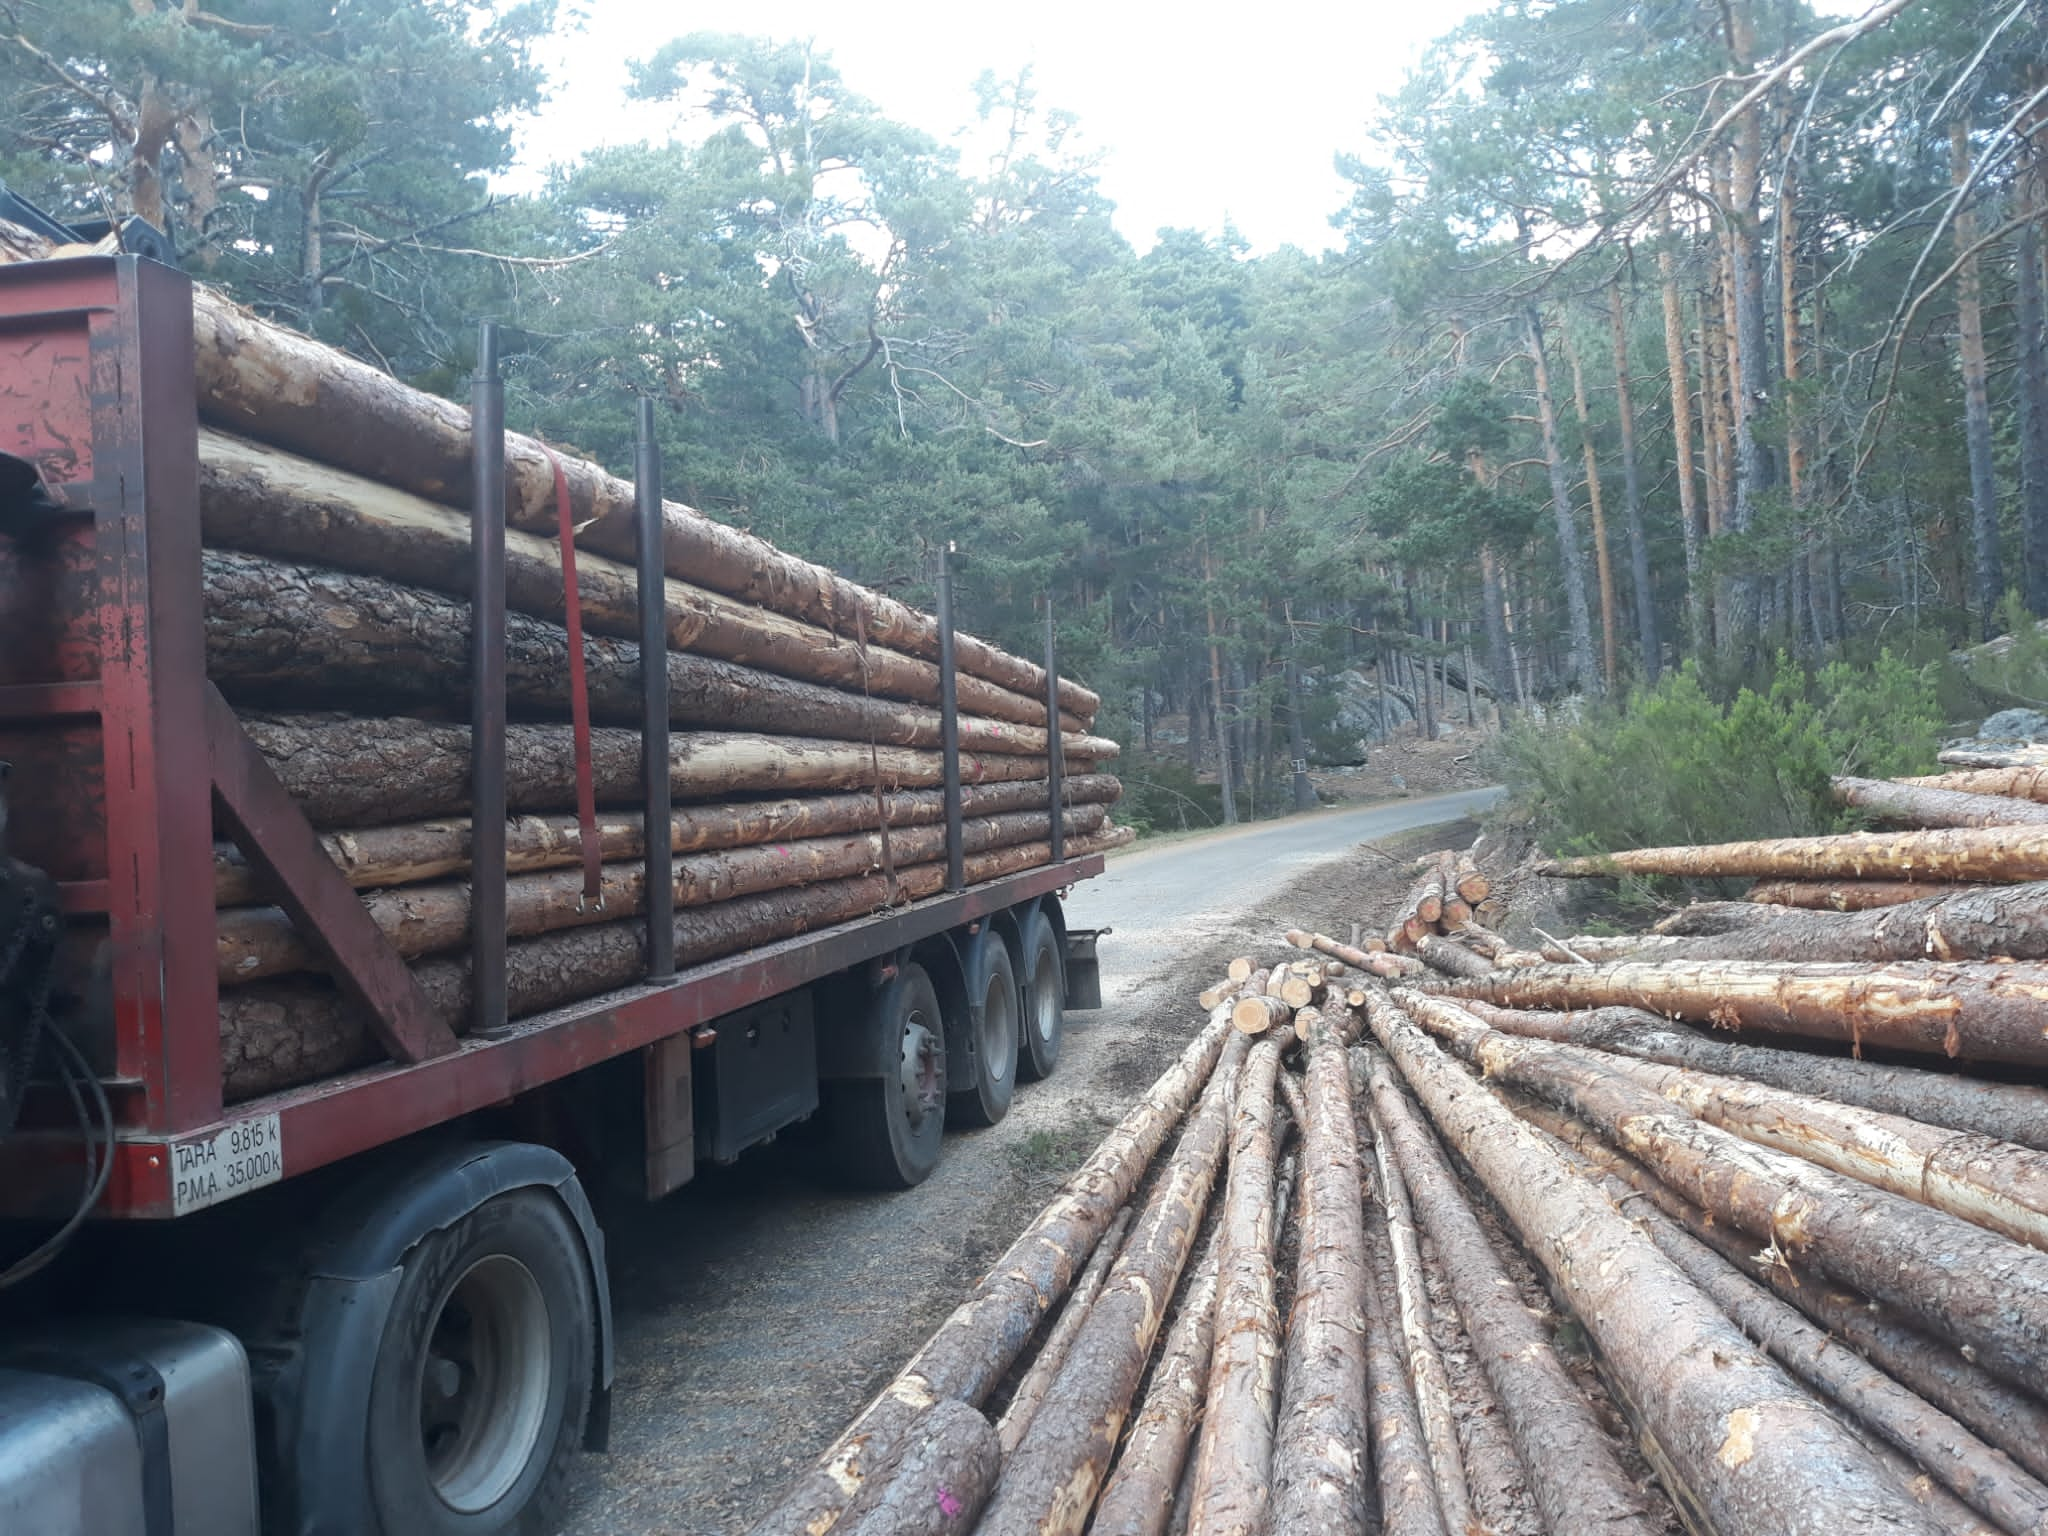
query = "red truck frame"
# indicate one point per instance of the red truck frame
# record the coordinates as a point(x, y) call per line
point(123, 755)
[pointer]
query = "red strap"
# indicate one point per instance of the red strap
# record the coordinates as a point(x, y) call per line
point(579, 690)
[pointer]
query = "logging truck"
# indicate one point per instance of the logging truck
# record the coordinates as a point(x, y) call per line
point(335, 1265)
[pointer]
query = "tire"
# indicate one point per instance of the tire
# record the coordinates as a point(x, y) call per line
point(994, 1060)
point(886, 1132)
point(483, 1377)
point(1044, 1020)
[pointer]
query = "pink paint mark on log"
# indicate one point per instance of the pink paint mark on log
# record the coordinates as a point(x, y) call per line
point(948, 1505)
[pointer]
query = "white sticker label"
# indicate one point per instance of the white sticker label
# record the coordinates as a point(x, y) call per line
point(245, 1156)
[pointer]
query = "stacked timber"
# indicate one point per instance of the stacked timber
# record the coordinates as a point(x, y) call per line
point(805, 757)
point(1811, 1288)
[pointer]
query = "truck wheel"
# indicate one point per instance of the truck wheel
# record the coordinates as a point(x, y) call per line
point(1045, 1000)
point(885, 1132)
point(483, 1377)
point(995, 1046)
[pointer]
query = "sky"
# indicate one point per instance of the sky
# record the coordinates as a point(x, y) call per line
point(1206, 114)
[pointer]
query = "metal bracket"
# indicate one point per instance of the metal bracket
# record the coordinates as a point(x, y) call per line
point(274, 835)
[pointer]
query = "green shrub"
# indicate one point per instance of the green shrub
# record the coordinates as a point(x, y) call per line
point(1673, 765)
point(1161, 795)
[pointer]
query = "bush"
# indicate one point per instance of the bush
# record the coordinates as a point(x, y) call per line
point(1672, 765)
point(1161, 795)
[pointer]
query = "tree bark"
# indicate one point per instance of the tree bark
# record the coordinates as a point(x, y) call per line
point(1400, 1457)
point(1988, 571)
point(1993, 855)
point(1632, 492)
point(418, 852)
point(1697, 638)
point(1574, 1475)
point(1320, 1479)
point(1139, 1496)
point(1984, 1292)
point(1223, 752)
point(1049, 1484)
point(1752, 382)
point(2031, 312)
point(1843, 895)
point(1052, 1354)
point(1233, 1461)
point(938, 1482)
point(2022, 783)
point(1749, 1443)
point(1571, 562)
point(347, 771)
point(2012, 1112)
point(1919, 805)
point(1603, 561)
point(255, 942)
point(300, 637)
point(984, 1336)
point(1961, 1011)
point(1453, 959)
point(259, 501)
point(266, 382)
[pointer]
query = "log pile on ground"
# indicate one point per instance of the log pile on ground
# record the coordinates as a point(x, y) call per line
point(1630, 1239)
point(806, 749)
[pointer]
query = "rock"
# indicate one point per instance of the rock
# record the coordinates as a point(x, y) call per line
point(2015, 725)
point(1357, 723)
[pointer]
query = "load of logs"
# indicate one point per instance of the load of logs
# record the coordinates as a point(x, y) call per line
point(1740, 1228)
point(805, 760)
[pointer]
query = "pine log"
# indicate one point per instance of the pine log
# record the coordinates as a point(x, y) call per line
point(1704, 917)
point(2002, 1415)
point(1453, 959)
point(1049, 1484)
point(2015, 757)
point(1470, 885)
point(2020, 783)
point(985, 1335)
point(254, 942)
point(1374, 960)
point(1052, 1354)
point(1422, 909)
point(1255, 1015)
point(1993, 855)
point(1320, 1480)
point(1971, 1012)
point(418, 852)
point(286, 635)
point(937, 1482)
point(2011, 1112)
point(1979, 1474)
point(1844, 895)
point(1233, 1461)
point(1298, 991)
point(1985, 1292)
point(347, 771)
point(1573, 1474)
point(1240, 968)
point(1920, 805)
point(1296, 1104)
point(1425, 1363)
point(1757, 1451)
point(1993, 1184)
point(1138, 1499)
point(263, 502)
point(265, 382)
point(1400, 1457)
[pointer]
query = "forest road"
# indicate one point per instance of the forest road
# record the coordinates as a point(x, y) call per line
point(759, 1308)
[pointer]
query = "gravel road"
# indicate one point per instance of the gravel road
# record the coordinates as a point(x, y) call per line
point(758, 1308)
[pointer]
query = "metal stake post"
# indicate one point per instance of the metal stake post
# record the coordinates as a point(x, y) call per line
point(654, 767)
point(1055, 757)
point(949, 725)
point(487, 683)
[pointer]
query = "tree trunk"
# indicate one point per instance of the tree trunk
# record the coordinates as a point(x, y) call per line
point(299, 637)
point(1752, 380)
point(290, 391)
point(2031, 313)
point(1453, 959)
point(945, 1470)
point(1845, 895)
point(1499, 657)
point(1989, 583)
point(1632, 492)
point(1749, 1443)
point(252, 943)
point(1984, 1292)
point(984, 1336)
point(1138, 1499)
point(1697, 639)
point(1052, 1354)
point(260, 501)
point(2005, 1111)
point(347, 772)
point(1917, 805)
point(2023, 783)
point(434, 850)
point(1991, 855)
point(1234, 1460)
point(1400, 1457)
point(1570, 1463)
point(1320, 1481)
point(1975, 1013)
point(1223, 751)
point(1603, 562)
point(1571, 563)
point(1049, 1484)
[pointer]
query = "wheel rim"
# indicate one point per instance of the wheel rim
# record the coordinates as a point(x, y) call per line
point(921, 1076)
point(484, 1385)
point(1045, 999)
point(999, 1025)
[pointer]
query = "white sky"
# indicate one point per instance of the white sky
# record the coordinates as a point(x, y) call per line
point(1207, 113)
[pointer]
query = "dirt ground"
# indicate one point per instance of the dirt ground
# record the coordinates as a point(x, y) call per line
point(1407, 766)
